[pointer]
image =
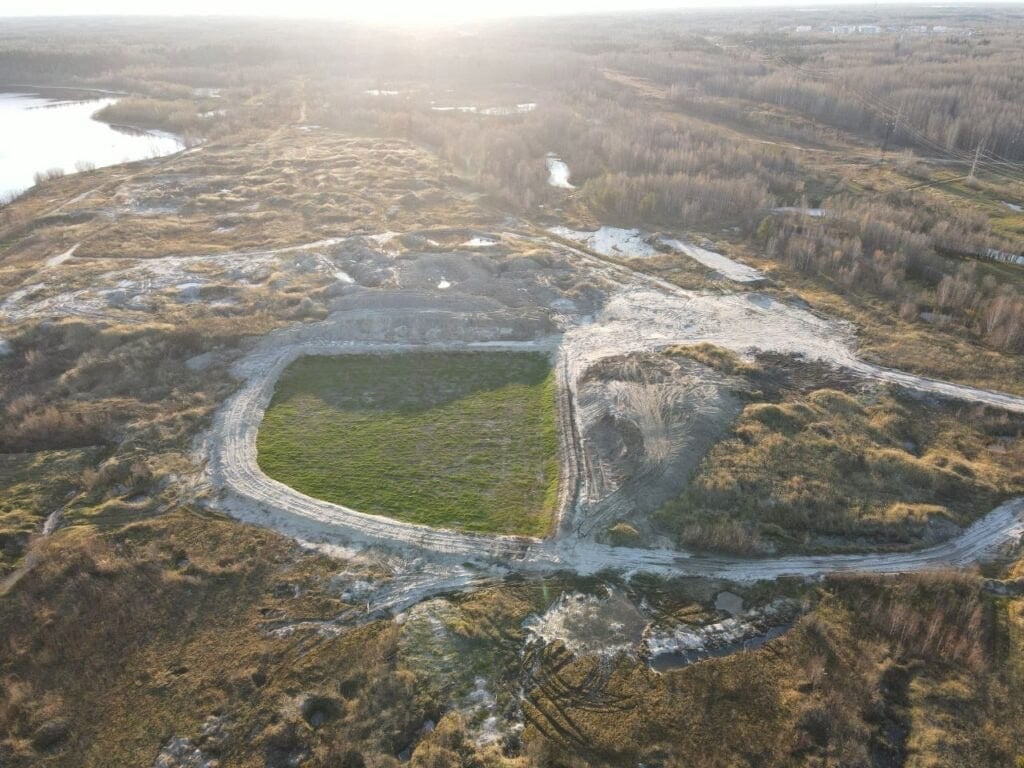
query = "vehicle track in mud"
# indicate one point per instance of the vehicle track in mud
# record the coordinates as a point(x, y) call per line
point(647, 313)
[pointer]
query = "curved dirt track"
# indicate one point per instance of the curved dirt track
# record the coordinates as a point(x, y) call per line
point(645, 313)
point(233, 464)
point(980, 540)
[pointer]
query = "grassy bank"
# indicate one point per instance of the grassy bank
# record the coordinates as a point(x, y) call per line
point(455, 440)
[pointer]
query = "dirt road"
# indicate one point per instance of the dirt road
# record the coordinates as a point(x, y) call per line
point(644, 314)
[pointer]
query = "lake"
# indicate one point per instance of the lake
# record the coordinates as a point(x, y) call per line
point(45, 129)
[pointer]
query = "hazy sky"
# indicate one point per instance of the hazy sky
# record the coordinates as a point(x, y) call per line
point(402, 11)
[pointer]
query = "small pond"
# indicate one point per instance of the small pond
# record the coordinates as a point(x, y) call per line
point(663, 662)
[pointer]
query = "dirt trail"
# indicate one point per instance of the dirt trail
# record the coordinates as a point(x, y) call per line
point(60, 258)
point(51, 524)
point(257, 498)
point(985, 537)
point(643, 313)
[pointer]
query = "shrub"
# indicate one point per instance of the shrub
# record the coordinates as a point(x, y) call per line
point(41, 177)
point(622, 534)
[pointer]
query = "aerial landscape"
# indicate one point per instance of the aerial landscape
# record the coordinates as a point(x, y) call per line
point(551, 386)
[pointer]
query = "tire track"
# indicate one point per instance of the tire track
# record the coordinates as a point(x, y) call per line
point(644, 314)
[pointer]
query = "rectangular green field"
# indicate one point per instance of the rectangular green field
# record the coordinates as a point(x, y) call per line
point(463, 440)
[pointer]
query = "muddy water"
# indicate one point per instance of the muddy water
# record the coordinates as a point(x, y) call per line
point(45, 129)
point(664, 662)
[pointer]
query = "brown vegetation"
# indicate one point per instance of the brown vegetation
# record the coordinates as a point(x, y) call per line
point(835, 690)
point(813, 467)
point(896, 254)
point(142, 619)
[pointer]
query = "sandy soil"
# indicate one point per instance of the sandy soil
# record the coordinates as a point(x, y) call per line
point(505, 291)
point(639, 314)
point(728, 268)
point(129, 290)
point(635, 244)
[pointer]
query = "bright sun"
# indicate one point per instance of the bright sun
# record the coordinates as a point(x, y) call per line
point(401, 12)
point(378, 11)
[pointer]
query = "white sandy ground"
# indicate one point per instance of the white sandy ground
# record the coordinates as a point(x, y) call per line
point(634, 244)
point(132, 281)
point(644, 314)
point(610, 241)
point(612, 624)
point(518, 109)
point(641, 313)
point(680, 637)
point(60, 258)
point(589, 624)
point(733, 270)
point(814, 213)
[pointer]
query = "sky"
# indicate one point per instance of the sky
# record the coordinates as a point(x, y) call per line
point(389, 11)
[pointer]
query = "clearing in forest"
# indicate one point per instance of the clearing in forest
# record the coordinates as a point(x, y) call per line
point(458, 440)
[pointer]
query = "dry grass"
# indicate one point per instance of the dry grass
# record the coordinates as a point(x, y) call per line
point(34, 485)
point(836, 690)
point(96, 420)
point(718, 358)
point(919, 350)
point(824, 470)
point(880, 667)
point(119, 640)
point(886, 339)
point(131, 639)
point(260, 188)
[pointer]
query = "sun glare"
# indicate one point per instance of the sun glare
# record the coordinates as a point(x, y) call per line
point(386, 12)
point(404, 12)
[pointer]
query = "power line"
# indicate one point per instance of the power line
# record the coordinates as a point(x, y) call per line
point(893, 118)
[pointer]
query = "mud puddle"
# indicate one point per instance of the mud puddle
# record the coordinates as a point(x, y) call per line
point(665, 662)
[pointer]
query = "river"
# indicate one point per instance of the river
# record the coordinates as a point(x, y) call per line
point(44, 128)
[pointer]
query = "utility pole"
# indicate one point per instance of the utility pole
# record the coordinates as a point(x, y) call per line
point(974, 164)
point(891, 128)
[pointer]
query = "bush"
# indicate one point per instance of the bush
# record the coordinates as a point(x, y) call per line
point(41, 177)
point(623, 534)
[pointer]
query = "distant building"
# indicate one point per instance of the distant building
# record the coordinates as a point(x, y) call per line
point(953, 31)
point(803, 28)
point(851, 29)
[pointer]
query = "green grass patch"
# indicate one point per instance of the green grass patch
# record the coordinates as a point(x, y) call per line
point(463, 440)
point(34, 485)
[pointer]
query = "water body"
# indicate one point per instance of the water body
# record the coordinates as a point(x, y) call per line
point(45, 129)
point(558, 172)
point(663, 662)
